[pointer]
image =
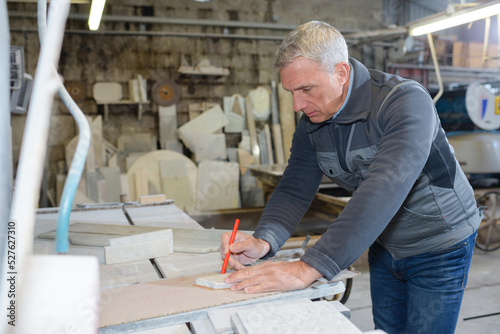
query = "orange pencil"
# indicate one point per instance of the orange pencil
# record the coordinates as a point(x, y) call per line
point(231, 240)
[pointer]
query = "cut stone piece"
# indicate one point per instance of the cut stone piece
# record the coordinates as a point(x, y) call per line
point(214, 282)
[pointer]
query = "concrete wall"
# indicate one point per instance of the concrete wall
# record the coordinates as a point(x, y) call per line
point(90, 58)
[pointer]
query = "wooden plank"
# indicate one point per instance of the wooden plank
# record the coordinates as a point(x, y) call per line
point(141, 183)
point(152, 199)
point(278, 144)
point(254, 145)
point(287, 119)
point(459, 55)
point(276, 127)
point(267, 133)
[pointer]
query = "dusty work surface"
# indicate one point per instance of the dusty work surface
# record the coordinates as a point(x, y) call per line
point(164, 297)
point(168, 297)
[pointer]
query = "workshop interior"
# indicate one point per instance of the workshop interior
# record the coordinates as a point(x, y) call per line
point(135, 133)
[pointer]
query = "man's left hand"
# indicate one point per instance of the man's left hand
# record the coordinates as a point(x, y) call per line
point(273, 276)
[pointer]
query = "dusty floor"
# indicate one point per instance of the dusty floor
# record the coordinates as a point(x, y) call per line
point(481, 298)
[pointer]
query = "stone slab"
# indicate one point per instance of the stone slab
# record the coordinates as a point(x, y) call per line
point(306, 317)
point(220, 319)
point(234, 108)
point(218, 185)
point(150, 165)
point(209, 122)
point(113, 183)
point(139, 247)
point(213, 282)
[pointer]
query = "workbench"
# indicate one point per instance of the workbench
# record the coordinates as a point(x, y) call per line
point(144, 292)
point(323, 205)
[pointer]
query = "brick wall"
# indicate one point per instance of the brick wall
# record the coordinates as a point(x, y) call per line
point(91, 58)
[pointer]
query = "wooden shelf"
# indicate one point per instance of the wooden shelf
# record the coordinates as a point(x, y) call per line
point(106, 104)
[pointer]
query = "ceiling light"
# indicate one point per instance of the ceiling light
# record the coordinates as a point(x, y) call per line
point(445, 21)
point(96, 10)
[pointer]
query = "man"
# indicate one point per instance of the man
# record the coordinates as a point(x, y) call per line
point(378, 135)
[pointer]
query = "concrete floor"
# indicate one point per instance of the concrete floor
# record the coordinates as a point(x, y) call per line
point(482, 296)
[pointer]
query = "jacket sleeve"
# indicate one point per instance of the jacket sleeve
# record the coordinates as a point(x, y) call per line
point(293, 195)
point(408, 123)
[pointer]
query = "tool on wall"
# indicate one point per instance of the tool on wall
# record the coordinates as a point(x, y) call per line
point(76, 90)
point(166, 93)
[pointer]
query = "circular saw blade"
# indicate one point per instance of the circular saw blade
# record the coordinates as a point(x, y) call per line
point(166, 93)
point(76, 90)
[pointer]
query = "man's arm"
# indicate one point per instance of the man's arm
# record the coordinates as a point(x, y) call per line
point(408, 126)
point(293, 195)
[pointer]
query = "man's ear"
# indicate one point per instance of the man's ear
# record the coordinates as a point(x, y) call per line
point(342, 72)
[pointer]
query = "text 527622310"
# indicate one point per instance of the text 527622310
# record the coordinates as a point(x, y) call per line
point(11, 273)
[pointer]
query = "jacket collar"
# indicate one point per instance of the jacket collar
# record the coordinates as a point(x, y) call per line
point(358, 106)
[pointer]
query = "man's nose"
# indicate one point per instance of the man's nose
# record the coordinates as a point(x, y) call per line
point(299, 103)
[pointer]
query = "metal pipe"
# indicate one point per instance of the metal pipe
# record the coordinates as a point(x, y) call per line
point(436, 67)
point(34, 144)
point(82, 147)
point(160, 34)
point(485, 58)
point(170, 20)
point(5, 153)
point(348, 33)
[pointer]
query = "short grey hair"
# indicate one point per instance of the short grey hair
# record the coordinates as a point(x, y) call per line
point(314, 40)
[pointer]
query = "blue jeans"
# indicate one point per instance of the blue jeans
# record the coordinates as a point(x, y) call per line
point(422, 293)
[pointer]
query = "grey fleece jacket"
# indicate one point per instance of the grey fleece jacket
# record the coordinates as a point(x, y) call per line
point(388, 147)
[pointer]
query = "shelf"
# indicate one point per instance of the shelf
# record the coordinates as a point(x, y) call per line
point(106, 104)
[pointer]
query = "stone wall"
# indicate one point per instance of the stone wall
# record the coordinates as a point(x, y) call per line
point(90, 58)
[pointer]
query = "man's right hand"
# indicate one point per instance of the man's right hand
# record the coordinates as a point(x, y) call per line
point(245, 250)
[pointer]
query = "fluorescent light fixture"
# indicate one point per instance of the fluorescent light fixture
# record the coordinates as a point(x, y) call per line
point(96, 10)
point(443, 21)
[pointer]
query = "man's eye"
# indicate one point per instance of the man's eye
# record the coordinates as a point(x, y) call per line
point(307, 89)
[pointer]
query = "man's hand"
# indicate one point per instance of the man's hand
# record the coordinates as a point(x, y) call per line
point(273, 276)
point(245, 250)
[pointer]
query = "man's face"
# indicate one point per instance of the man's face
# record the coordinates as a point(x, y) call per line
point(316, 93)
